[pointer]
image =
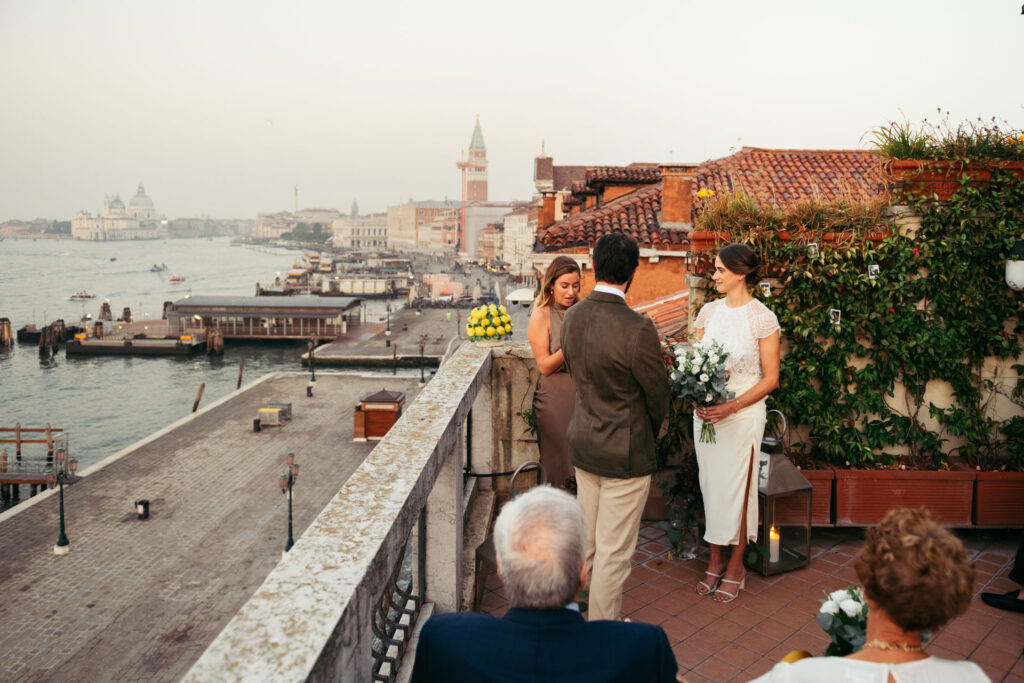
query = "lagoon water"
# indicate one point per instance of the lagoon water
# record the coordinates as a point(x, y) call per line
point(105, 403)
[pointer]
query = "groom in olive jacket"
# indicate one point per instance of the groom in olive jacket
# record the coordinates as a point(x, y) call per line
point(622, 396)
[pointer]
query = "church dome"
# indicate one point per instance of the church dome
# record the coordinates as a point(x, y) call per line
point(140, 199)
point(116, 204)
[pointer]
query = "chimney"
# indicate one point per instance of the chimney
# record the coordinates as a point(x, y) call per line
point(677, 196)
point(547, 210)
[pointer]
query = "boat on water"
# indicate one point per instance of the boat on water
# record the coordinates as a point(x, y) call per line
point(175, 279)
point(158, 268)
point(82, 295)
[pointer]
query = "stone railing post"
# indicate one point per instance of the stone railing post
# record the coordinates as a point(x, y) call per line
point(444, 533)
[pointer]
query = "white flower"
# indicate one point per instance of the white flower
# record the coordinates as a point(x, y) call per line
point(695, 370)
point(851, 607)
point(697, 359)
point(829, 607)
point(709, 398)
point(713, 358)
point(839, 595)
point(704, 377)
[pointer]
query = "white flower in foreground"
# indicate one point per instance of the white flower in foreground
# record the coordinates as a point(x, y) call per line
point(695, 370)
point(851, 607)
point(713, 358)
point(829, 607)
point(839, 595)
point(709, 398)
point(704, 377)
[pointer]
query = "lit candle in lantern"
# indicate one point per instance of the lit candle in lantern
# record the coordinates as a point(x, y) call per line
point(773, 545)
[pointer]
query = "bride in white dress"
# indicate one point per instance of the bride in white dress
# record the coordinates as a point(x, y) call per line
point(749, 332)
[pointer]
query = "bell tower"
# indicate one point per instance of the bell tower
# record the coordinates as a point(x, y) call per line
point(476, 172)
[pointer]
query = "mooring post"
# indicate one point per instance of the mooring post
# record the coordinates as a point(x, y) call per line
point(49, 441)
point(199, 395)
point(241, 366)
point(17, 441)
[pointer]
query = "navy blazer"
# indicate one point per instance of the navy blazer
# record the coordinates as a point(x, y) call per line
point(535, 645)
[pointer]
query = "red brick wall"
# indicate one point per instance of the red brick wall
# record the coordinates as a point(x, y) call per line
point(652, 280)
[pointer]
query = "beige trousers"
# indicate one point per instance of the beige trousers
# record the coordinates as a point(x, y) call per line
point(612, 509)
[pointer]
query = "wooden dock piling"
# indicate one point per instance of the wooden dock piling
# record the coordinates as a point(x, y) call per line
point(6, 336)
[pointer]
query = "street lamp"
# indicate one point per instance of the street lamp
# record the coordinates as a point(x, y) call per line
point(65, 469)
point(312, 361)
point(287, 481)
point(387, 330)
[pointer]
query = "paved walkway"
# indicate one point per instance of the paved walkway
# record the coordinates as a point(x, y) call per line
point(775, 615)
point(140, 600)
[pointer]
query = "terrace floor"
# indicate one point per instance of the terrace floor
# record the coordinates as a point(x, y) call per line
point(774, 615)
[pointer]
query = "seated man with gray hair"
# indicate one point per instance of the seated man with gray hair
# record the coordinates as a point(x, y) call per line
point(540, 541)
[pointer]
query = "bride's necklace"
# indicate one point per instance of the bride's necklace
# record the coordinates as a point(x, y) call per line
point(890, 645)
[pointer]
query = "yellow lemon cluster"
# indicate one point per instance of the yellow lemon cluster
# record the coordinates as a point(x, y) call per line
point(488, 322)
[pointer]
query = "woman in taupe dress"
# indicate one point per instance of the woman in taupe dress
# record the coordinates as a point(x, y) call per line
point(555, 395)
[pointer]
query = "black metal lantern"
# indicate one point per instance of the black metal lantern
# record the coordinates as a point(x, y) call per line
point(784, 502)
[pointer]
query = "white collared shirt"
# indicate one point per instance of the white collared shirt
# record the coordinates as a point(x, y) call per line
point(610, 290)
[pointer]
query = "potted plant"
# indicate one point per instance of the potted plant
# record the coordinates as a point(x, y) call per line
point(937, 161)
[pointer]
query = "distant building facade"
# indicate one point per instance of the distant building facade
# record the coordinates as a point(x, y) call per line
point(137, 221)
point(273, 225)
point(517, 245)
point(360, 232)
point(408, 225)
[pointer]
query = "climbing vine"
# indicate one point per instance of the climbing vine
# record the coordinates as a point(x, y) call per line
point(873, 315)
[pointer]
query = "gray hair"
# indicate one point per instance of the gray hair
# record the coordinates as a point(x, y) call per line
point(540, 540)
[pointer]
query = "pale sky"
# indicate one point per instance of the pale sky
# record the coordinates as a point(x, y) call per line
point(220, 108)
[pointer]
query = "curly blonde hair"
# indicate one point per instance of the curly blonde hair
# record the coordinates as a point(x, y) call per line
point(915, 570)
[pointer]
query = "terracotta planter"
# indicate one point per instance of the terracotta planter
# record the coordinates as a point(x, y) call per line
point(823, 482)
point(999, 499)
point(864, 496)
point(942, 178)
point(703, 240)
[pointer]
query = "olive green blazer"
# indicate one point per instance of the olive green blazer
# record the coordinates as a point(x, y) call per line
point(622, 387)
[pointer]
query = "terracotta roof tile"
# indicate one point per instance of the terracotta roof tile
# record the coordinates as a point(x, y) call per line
point(775, 176)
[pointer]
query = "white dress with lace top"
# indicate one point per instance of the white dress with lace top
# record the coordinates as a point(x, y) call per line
point(726, 464)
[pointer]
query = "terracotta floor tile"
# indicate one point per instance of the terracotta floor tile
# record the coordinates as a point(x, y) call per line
point(1013, 678)
point(630, 604)
point(697, 678)
point(646, 593)
point(676, 629)
point(998, 658)
point(738, 656)
point(688, 656)
point(745, 614)
point(993, 672)
point(716, 669)
point(1018, 668)
point(727, 630)
point(761, 643)
point(958, 644)
point(678, 601)
point(708, 642)
point(698, 616)
point(649, 614)
point(759, 668)
point(994, 557)
point(665, 583)
point(643, 573)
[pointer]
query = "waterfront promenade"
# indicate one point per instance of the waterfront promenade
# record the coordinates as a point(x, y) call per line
point(138, 599)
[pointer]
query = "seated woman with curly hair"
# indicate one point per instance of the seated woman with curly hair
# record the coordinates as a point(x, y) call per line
point(916, 578)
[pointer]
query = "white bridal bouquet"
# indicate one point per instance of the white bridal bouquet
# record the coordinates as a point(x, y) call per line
point(700, 375)
point(844, 616)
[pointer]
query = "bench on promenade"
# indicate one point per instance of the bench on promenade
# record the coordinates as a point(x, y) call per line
point(285, 407)
point(270, 417)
